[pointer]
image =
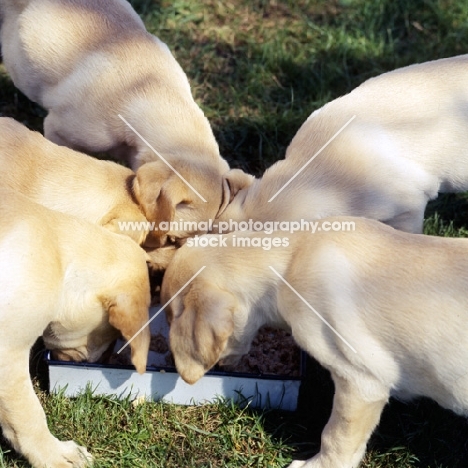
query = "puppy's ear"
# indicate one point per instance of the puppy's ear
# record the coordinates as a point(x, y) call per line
point(199, 334)
point(159, 192)
point(131, 317)
point(147, 186)
point(233, 181)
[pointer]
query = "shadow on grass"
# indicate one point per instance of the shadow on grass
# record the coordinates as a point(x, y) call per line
point(450, 208)
point(437, 437)
point(421, 432)
point(13, 103)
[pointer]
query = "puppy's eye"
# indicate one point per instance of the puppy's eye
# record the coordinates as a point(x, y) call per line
point(183, 204)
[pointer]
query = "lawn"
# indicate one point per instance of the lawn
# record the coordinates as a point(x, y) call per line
point(258, 68)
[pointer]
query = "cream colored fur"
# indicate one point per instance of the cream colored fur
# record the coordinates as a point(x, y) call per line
point(64, 180)
point(407, 142)
point(97, 62)
point(396, 305)
point(76, 284)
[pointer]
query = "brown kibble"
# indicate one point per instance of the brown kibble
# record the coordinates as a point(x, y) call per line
point(158, 344)
point(273, 352)
point(122, 359)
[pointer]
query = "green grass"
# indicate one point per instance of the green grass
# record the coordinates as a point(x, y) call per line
point(258, 68)
point(123, 435)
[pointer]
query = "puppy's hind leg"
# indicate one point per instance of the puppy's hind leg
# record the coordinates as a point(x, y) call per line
point(351, 424)
point(23, 420)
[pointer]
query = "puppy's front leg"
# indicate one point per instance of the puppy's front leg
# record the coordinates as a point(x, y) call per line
point(345, 436)
point(24, 423)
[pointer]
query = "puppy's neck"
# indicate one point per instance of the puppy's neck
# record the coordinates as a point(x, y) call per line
point(165, 132)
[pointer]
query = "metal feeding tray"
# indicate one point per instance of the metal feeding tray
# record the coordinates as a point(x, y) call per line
point(161, 381)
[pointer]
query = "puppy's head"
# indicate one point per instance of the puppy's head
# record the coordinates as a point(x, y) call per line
point(201, 323)
point(207, 321)
point(91, 321)
point(66, 345)
point(181, 199)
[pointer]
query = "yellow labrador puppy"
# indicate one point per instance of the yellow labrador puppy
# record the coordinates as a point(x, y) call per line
point(67, 181)
point(404, 140)
point(384, 311)
point(98, 65)
point(76, 284)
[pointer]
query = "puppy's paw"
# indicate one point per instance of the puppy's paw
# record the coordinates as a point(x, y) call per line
point(297, 464)
point(76, 456)
point(68, 455)
point(314, 462)
point(320, 462)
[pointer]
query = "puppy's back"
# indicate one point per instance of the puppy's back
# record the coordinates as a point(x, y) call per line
point(53, 264)
point(415, 114)
point(29, 158)
point(63, 179)
point(73, 239)
point(398, 299)
point(78, 28)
